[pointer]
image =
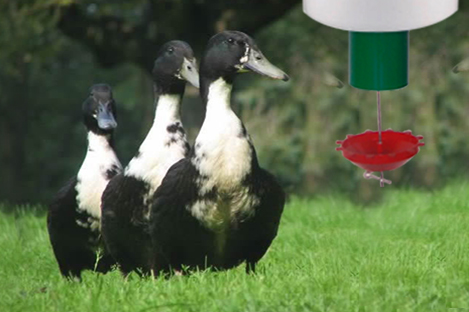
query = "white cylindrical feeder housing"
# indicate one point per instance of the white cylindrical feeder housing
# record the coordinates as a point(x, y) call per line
point(379, 15)
point(379, 31)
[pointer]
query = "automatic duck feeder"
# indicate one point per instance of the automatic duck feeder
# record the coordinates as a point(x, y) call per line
point(379, 61)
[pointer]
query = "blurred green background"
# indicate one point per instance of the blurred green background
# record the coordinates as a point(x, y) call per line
point(52, 51)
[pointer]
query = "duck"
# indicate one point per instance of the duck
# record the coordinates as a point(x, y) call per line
point(218, 208)
point(73, 218)
point(126, 199)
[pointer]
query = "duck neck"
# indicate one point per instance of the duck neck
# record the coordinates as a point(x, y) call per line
point(223, 151)
point(100, 142)
point(167, 112)
point(168, 109)
point(216, 95)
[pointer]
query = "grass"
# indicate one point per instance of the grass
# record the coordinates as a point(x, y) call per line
point(410, 253)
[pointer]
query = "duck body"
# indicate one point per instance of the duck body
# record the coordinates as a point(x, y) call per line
point(206, 225)
point(218, 207)
point(73, 218)
point(126, 200)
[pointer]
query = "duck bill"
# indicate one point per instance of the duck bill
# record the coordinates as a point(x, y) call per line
point(462, 67)
point(189, 72)
point(105, 117)
point(258, 63)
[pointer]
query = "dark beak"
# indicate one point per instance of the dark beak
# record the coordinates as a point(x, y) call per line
point(105, 117)
point(258, 63)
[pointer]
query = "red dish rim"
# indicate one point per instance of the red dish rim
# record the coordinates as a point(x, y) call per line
point(380, 158)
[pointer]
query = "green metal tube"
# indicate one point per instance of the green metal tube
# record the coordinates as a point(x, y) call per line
point(379, 61)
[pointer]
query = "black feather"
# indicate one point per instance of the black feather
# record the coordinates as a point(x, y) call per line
point(124, 224)
point(74, 246)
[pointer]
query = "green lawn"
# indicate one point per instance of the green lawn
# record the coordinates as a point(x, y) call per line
point(410, 253)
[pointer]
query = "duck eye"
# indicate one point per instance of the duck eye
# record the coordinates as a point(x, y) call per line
point(170, 50)
point(231, 40)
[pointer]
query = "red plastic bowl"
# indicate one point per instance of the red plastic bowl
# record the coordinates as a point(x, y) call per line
point(364, 150)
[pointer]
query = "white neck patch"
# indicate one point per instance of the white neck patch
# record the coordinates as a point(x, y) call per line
point(161, 148)
point(222, 152)
point(92, 176)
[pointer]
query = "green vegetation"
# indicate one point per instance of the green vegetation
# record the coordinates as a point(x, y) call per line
point(408, 253)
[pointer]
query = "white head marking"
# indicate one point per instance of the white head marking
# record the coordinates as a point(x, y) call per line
point(245, 57)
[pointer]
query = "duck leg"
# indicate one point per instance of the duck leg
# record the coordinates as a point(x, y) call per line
point(250, 267)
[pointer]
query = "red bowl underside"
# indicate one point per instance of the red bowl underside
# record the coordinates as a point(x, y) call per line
point(396, 149)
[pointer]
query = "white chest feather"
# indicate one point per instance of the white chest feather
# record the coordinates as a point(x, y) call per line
point(222, 150)
point(164, 145)
point(216, 214)
point(223, 158)
point(93, 175)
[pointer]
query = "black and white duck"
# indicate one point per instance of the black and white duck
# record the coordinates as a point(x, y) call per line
point(125, 202)
point(218, 207)
point(73, 218)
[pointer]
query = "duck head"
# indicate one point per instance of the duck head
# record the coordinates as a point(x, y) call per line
point(99, 110)
point(174, 65)
point(232, 52)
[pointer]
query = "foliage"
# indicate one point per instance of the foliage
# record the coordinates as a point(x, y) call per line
point(131, 31)
point(407, 254)
point(43, 81)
